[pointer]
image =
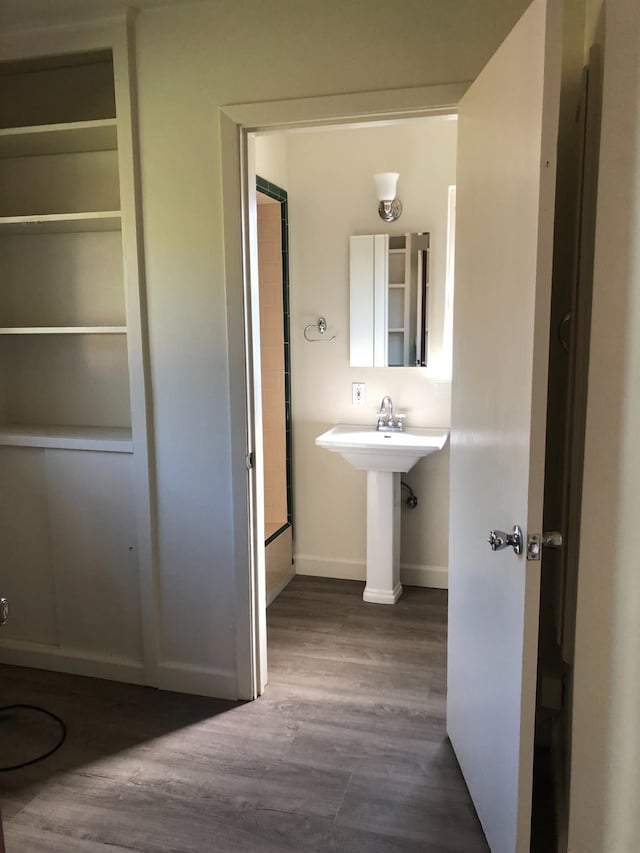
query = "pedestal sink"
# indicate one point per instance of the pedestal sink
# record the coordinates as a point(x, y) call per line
point(384, 456)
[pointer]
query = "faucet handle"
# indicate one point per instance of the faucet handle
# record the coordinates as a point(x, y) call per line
point(400, 422)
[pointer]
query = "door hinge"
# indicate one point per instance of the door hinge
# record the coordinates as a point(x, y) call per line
point(250, 461)
point(535, 542)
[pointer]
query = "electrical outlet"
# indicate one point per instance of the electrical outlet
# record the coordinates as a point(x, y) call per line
point(358, 393)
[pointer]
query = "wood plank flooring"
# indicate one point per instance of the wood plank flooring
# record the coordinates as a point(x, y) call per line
point(346, 751)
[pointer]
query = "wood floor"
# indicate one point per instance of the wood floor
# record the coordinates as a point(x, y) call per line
point(346, 750)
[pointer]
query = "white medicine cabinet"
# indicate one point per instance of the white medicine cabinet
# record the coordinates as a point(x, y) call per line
point(389, 300)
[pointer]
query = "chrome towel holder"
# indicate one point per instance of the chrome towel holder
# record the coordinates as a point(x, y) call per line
point(321, 328)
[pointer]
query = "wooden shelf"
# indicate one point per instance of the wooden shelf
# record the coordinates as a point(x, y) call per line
point(105, 439)
point(397, 284)
point(67, 138)
point(57, 223)
point(63, 330)
point(396, 331)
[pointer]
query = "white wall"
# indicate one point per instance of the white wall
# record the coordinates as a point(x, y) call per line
point(271, 160)
point(331, 195)
point(605, 767)
point(191, 59)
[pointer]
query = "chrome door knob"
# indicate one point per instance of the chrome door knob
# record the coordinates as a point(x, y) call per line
point(4, 610)
point(498, 539)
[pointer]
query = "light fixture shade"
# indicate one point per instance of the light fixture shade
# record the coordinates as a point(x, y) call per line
point(386, 184)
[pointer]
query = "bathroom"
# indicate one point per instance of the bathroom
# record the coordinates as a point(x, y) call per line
point(328, 176)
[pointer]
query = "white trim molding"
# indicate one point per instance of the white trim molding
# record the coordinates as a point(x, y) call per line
point(199, 680)
point(71, 661)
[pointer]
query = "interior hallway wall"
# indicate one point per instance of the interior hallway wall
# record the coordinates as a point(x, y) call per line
point(605, 765)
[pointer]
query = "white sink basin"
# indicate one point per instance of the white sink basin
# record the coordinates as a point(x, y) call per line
point(369, 449)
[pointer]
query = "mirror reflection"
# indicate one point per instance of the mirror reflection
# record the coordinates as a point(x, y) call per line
point(389, 300)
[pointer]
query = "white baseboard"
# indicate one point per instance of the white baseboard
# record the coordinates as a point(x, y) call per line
point(179, 677)
point(199, 680)
point(436, 577)
point(324, 567)
point(71, 661)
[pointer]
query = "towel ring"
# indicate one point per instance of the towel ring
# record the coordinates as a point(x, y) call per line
point(321, 328)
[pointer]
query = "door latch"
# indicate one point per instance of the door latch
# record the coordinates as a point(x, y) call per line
point(498, 539)
point(536, 541)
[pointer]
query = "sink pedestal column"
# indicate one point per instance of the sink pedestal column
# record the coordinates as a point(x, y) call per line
point(383, 538)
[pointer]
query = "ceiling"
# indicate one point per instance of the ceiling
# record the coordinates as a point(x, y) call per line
point(17, 14)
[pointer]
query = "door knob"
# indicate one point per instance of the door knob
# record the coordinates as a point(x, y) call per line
point(498, 539)
point(4, 610)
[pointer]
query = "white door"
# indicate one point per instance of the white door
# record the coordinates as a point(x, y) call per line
point(508, 125)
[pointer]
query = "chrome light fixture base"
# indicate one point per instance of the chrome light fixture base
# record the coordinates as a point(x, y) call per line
point(390, 210)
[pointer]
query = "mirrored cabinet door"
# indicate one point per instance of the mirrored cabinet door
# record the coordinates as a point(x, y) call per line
point(389, 300)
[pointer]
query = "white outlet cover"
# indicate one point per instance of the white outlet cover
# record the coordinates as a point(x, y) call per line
point(358, 393)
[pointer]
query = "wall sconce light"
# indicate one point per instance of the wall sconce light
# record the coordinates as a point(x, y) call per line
point(390, 207)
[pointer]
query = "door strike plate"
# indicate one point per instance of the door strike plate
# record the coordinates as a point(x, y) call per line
point(535, 541)
point(534, 546)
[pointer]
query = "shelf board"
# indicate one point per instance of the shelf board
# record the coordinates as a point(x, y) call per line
point(66, 138)
point(63, 330)
point(106, 439)
point(394, 331)
point(397, 285)
point(397, 251)
point(56, 223)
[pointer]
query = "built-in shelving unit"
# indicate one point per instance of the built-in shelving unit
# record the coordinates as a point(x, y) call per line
point(74, 488)
point(60, 200)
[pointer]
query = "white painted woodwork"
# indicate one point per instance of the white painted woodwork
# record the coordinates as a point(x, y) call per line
point(506, 182)
point(73, 394)
point(361, 304)
point(69, 554)
point(368, 280)
point(93, 552)
point(63, 330)
point(107, 439)
point(61, 138)
point(100, 220)
point(26, 575)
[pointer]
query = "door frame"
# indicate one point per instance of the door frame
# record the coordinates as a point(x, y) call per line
point(238, 125)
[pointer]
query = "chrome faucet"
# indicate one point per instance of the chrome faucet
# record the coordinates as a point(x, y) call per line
point(387, 420)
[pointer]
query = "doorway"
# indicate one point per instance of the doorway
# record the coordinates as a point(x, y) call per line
point(242, 122)
point(319, 166)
